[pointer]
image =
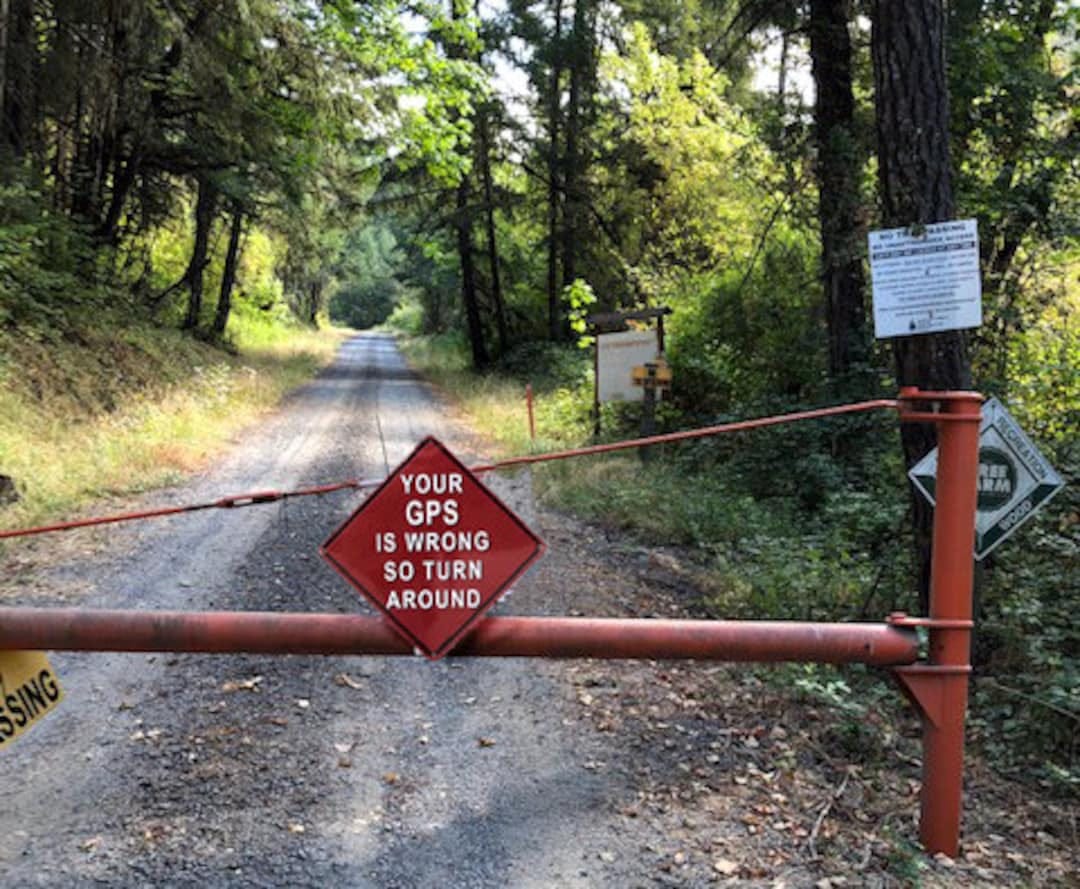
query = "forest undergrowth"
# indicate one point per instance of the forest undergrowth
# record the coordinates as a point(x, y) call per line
point(805, 522)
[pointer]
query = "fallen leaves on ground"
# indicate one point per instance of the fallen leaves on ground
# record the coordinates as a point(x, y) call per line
point(234, 685)
point(346, 681)
point(750, 781)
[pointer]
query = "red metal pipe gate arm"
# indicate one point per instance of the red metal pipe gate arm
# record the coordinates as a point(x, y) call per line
point(76, 629)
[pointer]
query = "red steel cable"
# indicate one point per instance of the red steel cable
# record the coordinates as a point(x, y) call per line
point(258, 497)
point(231, 502)
point(688, 434)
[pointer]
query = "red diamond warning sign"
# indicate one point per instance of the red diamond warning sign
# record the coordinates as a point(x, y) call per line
point(432, 548)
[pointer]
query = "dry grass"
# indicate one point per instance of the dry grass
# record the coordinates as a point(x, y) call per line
point(113, 414)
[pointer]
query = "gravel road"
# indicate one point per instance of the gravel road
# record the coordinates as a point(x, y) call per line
point(301, 771)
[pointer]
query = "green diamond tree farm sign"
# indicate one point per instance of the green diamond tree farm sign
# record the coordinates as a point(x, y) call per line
point(1015, 479)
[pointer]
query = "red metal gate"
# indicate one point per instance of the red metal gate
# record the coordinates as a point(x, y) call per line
point(938, 687)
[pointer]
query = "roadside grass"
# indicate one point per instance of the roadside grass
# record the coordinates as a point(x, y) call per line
point(494, 404)
point(115, 411)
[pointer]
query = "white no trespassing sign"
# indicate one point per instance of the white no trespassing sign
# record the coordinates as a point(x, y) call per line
point(926, 282)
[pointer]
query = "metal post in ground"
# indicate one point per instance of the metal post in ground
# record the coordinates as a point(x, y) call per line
point(940, 687)
point(529, 408)
point(648, 409)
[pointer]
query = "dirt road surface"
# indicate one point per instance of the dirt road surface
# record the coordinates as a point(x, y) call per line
point(252, 771)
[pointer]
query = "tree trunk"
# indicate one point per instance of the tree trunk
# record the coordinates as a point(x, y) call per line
point(839, 165)
point(484, 148)
point(915, 181)
point(315, 292)
point(582, 78)
point(4, 13)
point(19, 100)
point(228, 275)
point(554, 192)
point(204, 220)
point(463, 226)
point(782, 74)
point(123, 180)
point(497, 300)
point(470, 300)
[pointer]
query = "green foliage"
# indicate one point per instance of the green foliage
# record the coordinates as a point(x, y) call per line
point(548, 366)
point(367, 288)
point(50, 275)
point(711, 238)
point(1016, 134)
point(579, 299)
point(112, 408)
point(760, 551)
point(1027, 644)
point(709, 173)
point(857, 700)
point(729, 328)
point(407, 317)
point(1044, 385)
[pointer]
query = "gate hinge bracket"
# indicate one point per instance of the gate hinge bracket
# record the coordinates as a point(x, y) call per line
point(925, 686)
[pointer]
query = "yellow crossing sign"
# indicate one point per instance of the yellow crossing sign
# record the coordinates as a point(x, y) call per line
point(29, 690)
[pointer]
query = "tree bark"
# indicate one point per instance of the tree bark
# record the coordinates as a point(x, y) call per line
point(19, 99)
point(839, 164)
point(470, 300)
point(484, 144)
point(123, 180)
point(554, 190)
point(582, 83)
point(204, 220)
point(312, 295)
point(463, 224)
point(915, 182)
point(484, 149)
point(228, 275)
point(782, 74)
point(4, 12)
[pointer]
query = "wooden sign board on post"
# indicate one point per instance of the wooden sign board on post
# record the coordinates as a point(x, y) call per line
point(617, 354)
point(618, 351)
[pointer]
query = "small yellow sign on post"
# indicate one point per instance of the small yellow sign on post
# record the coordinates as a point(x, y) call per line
point(656, 374)
point(29, 690)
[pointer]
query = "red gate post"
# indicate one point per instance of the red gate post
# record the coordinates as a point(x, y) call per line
point(529, 408)
point(940, 687)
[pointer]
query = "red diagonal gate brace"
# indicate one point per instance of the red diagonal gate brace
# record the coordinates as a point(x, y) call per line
point(938, 688)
